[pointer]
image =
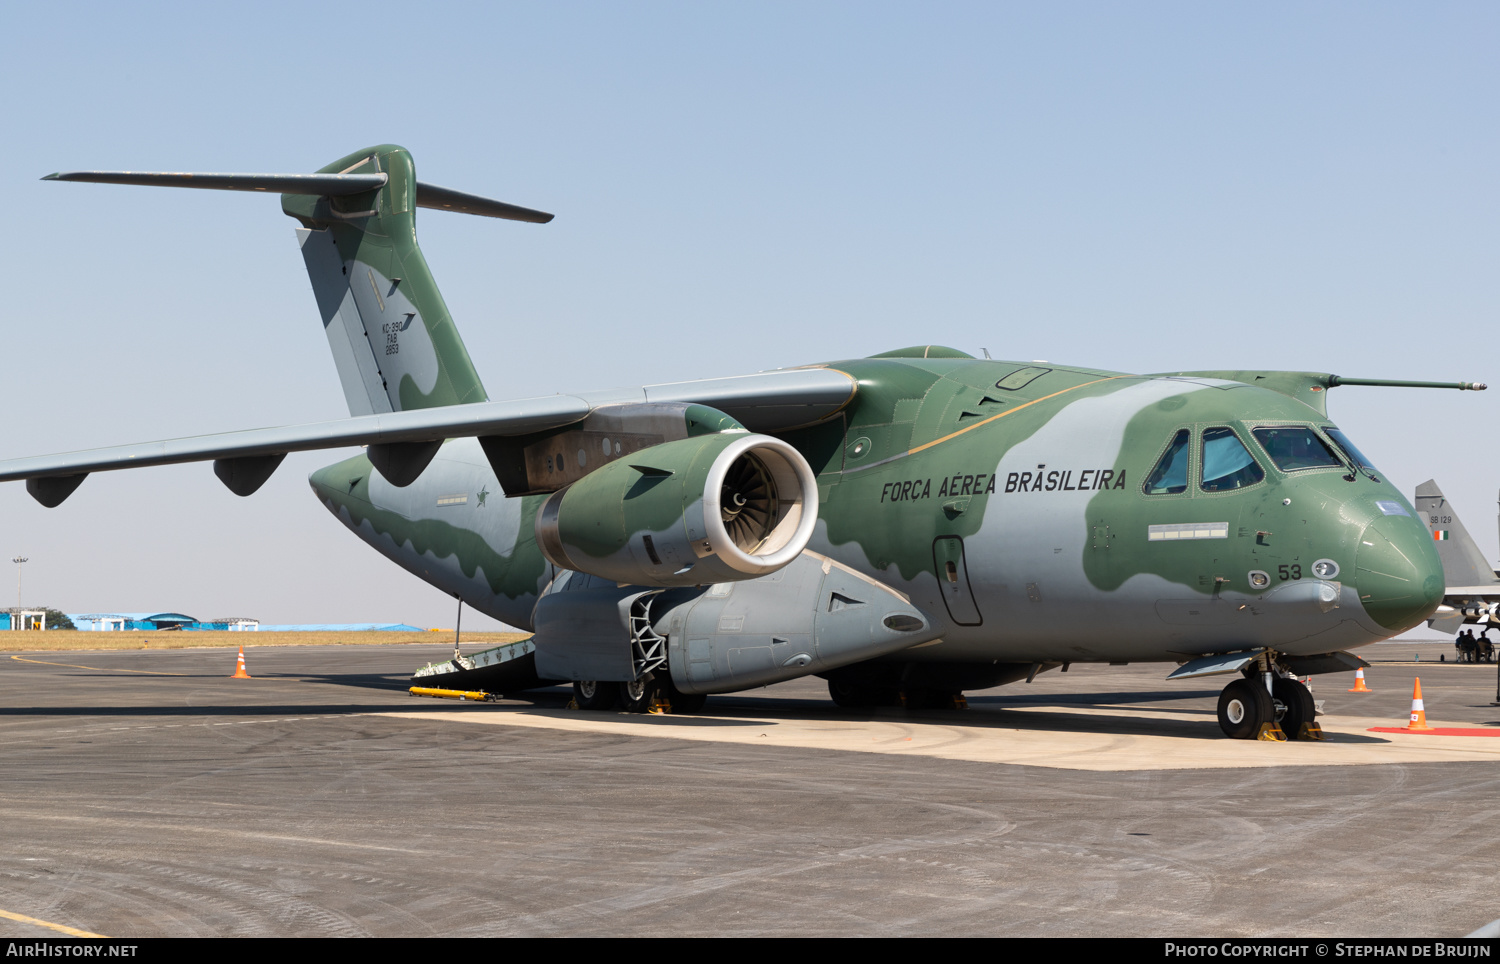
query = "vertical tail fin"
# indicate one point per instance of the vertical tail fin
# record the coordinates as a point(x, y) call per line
point(1464, 564)
point(393, 341)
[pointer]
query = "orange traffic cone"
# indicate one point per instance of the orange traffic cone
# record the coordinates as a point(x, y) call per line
point(239, 669)
point(1418, 713)
point(1359, 683)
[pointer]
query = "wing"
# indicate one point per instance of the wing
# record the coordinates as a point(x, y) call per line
point(766, 402)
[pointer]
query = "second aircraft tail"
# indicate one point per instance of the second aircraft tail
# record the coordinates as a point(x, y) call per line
point(1464, 565)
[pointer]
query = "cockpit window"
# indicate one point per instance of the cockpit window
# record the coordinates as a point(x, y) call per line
point(1227, 464)
point(1342, 441)
point(1171, 473)
point(1294, 447)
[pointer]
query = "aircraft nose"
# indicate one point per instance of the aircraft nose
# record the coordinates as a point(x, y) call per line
point(1398, 573)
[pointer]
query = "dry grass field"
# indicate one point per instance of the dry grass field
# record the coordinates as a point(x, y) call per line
point(63, 640)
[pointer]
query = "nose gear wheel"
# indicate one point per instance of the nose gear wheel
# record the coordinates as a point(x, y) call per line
point(1245, 708)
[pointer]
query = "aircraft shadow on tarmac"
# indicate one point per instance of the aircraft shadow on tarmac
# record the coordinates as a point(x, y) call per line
point(998, 719)
point(984, 713)
point(1097, 699)
point(391, 682)
point(1009, 712)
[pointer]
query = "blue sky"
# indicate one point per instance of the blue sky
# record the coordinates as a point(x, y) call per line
point(1141, 187)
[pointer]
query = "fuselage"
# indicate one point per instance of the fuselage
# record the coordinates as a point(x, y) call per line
point(1033, 511)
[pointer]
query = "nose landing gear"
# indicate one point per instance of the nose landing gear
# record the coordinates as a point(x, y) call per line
point(1285, 711)
point(1298, 711)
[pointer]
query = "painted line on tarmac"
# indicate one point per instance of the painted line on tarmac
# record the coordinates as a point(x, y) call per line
point(158, 672)
point(95, 730)
point(1436, 731)
point(100, 669)
point(145, 821)
point(60, 928)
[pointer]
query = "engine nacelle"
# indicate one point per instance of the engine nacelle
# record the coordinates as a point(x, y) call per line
point(709, 509)
point(814, 616)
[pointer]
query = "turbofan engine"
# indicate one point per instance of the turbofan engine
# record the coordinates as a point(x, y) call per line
point(709, 509)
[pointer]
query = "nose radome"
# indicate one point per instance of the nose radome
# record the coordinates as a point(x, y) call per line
point(1398, 573)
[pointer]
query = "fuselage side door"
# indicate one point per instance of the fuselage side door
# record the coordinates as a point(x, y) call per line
point(953, 580)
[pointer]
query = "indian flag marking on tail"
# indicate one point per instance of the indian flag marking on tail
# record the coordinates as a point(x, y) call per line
point(1440, 535)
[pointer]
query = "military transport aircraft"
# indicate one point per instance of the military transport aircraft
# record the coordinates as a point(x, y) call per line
point(919, 522)
point(1471, 592)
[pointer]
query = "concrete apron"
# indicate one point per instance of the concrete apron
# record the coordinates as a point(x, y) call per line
point(1061, 738)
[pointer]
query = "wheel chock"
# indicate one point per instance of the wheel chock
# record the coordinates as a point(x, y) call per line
point(1311, 731)
point(477, 696)
point(1271, 733)
point(660, 705)
point(959, 703)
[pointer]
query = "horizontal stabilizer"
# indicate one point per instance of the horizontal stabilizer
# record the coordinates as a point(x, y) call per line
point(317, 185)
point(321, 185)
point(447, 199)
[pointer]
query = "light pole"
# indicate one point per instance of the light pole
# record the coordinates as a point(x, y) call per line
point(19, 561)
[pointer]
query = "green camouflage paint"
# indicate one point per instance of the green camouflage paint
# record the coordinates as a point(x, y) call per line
point(377, 231)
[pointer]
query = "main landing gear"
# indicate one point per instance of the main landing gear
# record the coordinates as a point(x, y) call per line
point(654, 691)
point(1268, 704)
